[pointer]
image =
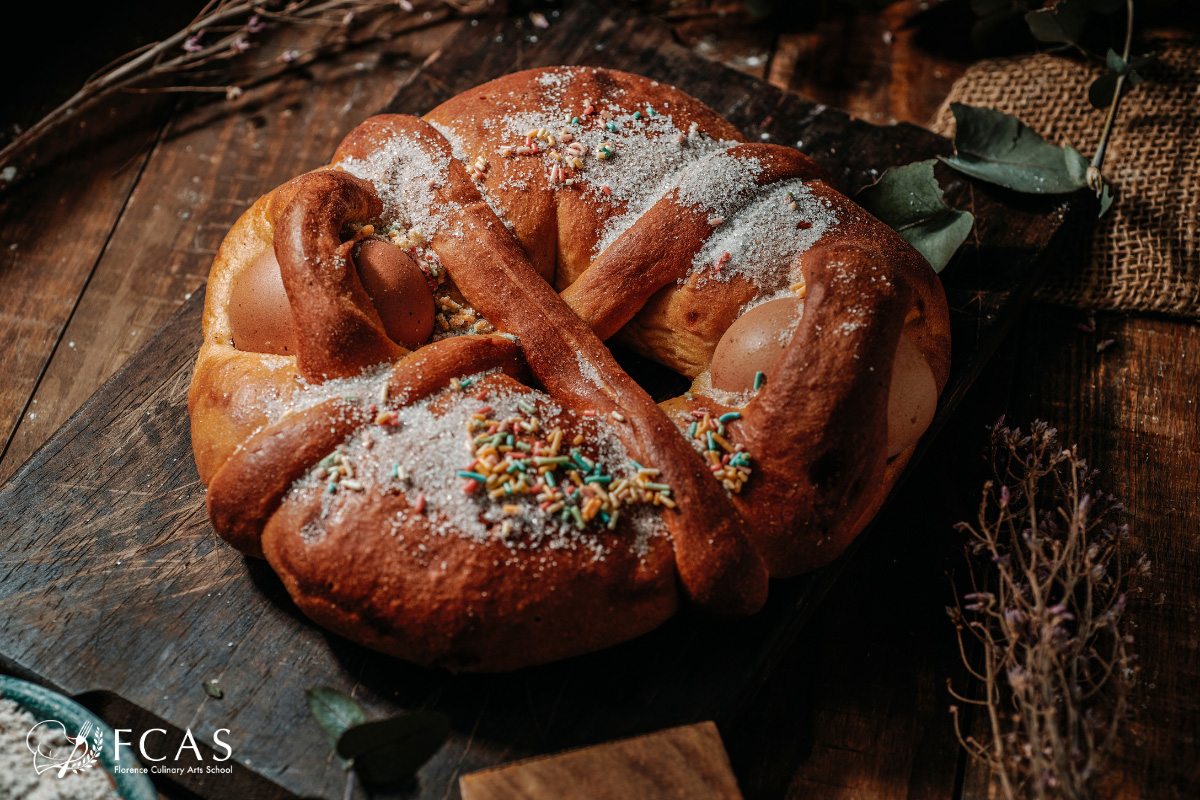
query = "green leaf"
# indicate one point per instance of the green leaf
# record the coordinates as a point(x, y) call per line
point(1000, 149)
point(336, 712)
point(389, 750)
point(910, 201)
point(212, 689)
point(1061, 24)
point(1106, 199)
point(1115, 62)
point(1100, 93)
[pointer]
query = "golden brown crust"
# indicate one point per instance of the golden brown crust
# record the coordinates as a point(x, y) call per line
point(378, 566)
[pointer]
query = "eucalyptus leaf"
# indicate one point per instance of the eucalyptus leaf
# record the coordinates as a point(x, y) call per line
point(1115, 62)
point(212, 689)
point(1106, 199)
point(1060, 24)
point(1000, 149)
point(1100, 93)
point(335, 712)
point(388, 751)
point(910, 201)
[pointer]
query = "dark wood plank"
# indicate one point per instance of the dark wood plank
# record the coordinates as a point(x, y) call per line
point(107, 523)
point(688, 761)
point(863, 707)
point(54, 232)
point(1134, 410)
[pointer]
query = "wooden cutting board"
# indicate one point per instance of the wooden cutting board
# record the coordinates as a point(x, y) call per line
point(114, 588)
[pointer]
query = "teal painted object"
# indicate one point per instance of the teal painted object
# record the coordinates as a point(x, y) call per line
point(44, 704)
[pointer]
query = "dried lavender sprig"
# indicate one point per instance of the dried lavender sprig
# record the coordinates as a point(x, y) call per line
point(1046, 610)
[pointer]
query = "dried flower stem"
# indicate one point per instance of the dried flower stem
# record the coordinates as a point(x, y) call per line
point(1047, 609)
point(1106, 133)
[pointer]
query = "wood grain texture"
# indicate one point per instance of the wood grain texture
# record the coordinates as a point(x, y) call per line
point(209, 165)
point(877, 66)
point(49, 248)
point(688, 763)
point(110, 551)
point(1134, 410)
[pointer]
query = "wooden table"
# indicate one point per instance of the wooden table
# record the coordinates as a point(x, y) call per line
point(98, 252)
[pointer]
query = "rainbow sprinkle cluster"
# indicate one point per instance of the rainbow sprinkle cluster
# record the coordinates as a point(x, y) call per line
point(517, 456)
point(340, 472)
point(730, 463)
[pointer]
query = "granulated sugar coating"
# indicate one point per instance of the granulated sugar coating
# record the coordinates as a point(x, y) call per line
point(424, 449)
point(635, 158)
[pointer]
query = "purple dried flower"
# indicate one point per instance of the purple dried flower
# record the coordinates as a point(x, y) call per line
point(192, 44)
point(233, 93)
point(405, 5)
point(255, 24)
point(1104, 345)
point(1004, 495)
point(239, 44)
point(288, 56)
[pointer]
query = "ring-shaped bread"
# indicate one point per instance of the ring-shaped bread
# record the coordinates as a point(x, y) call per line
point(496, 491)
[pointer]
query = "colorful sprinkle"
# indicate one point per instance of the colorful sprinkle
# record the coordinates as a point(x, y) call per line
point(729, 463)
point(586, 492)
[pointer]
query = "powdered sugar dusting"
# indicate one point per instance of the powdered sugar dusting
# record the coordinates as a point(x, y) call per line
point(761, 240)
point(406, 170)
point(422, 450)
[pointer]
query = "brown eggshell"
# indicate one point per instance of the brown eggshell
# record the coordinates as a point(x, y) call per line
point(912, 399)
point(753, 343)
point(398, 289)
point(261, 316)
point(259, 311)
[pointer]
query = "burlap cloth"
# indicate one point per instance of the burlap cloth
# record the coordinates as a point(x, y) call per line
point(1143, 254)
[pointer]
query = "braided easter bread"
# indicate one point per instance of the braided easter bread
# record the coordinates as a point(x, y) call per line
point(404, 403)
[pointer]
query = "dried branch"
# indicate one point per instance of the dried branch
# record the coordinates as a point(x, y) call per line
point(201, 56)
point(1047, 609)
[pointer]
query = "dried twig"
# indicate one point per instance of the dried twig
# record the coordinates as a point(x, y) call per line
point(1048, 571)
point(199, 57)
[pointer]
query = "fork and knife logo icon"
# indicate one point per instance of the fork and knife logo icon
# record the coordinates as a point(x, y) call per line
point(79, 755)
